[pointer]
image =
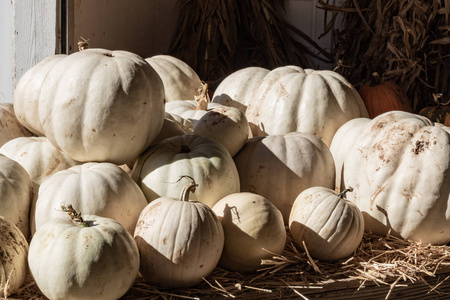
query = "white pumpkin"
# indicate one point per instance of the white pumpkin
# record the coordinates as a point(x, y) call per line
point(10, 127)
point(238, 88)
point(157, 170)
point(28, 92)
point(13, 258)
point(180, 241)
point(254, 230)
point(174, 125)
point(398, 167)
point(292, 99)
point(88, 258)
point(330, 226)
point(226, 125)
point(38, 157)
point(16, 194)
point(101, 189)
point(101, 105)
point(279, 167)
point(342, 142)
point(191, 110)
point(179, 79)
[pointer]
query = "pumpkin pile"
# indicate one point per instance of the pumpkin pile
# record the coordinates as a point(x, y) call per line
point(123, 167)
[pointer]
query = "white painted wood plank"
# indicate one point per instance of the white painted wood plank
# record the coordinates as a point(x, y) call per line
point(6, 51)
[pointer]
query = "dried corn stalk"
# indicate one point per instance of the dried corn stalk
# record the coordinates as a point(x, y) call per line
point(218, 37)
point(405, 41)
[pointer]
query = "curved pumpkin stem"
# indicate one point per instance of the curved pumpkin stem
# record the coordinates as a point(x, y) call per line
point(74, 215)
point(203, 97)
point(436, 99)
point(188, 188)
point(342, 194)
point(83, 44)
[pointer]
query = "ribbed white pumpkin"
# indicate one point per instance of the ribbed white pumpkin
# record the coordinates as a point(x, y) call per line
point(254, 230)
point(342, 142)
point(239, 88)
point(38, 156)
point(330, 226)
point(10, 127)
point(99, 260)
point(28, 92)
point(180, 241)
point(190, 109)
point(101, 189)
point(16, 193)
point(279, 167)
point(13, 257)
point(226, 125)
point(157, 170)
point(399, 169)
point(181, 82)
point(101, 105)
point(292, 99)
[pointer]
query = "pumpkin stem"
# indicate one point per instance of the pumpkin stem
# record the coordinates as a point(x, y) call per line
point(74, 215)
point(377, 78)
point(436, 99)
point(203, 97)
point(188, 188)
point(342, 194)
point(83, 44)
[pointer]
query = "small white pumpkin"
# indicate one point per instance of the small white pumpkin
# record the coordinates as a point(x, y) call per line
point(254, 230)
point(88, 257)
point(226, 125)
point(191, 110)
point(16, 193)
point(13, 258)
point(210, 164)
point(330, 226)
point(174, 125)
point(180, 241)
point(179, 79)
point(101, 189)
point(38, 156)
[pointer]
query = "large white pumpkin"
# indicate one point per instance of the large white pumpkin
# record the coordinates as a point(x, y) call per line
point(292, 99)
point(28, 92)
point(101, 189)
point(399, 167)
point(181, 82)
point(10, 127)
point(180, 241)
point(279, 167)
point(101, 105)
point(239, 88)
point(95, 260)
point(158, 170)
point(13, 257)
point(16, 193)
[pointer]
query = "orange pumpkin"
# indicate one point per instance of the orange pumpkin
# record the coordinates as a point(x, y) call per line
point(439, 113)
point(384, 96)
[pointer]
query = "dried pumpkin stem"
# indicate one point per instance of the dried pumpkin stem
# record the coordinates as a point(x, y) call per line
point(74, 215)
point(342, 194)
point(188, 188)
point(203, 97)
point(436, 99)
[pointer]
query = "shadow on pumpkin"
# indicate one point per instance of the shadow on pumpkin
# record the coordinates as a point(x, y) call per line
point(227, 100)
point(319, 247)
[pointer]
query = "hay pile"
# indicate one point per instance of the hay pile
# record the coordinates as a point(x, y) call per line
point(404, 41)
point(217, 38)
point(386, 263)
